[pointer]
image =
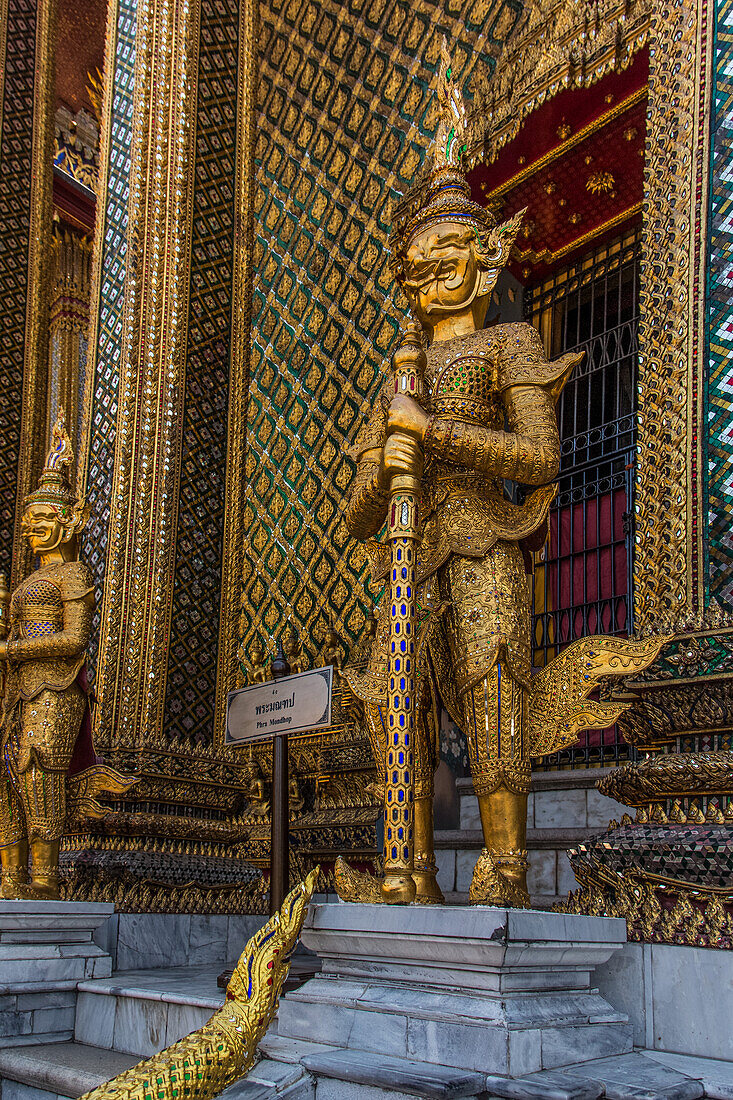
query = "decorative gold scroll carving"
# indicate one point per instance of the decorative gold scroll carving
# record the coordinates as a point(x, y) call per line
point(139, 569)
point(33, 418)
point(655, 913)
point(669, 775)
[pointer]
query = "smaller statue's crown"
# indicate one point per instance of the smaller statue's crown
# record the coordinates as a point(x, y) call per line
point(53, 485)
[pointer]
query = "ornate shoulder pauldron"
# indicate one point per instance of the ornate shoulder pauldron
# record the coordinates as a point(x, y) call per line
point(37, 607)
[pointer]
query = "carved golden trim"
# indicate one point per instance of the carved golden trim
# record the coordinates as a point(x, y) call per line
point(33, 416)
point(68, 326)
point(666, 593)
point(230, 632)
point(139, 573)
point(551, 257)
point(561, 45)
point(655, 910)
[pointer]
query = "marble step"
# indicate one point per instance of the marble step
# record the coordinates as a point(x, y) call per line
point(142, 1011)
point(65, 1071)
point(49, 1070)
point(644, 1075)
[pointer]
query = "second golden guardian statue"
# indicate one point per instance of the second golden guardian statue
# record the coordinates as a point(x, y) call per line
point(48, 763)
point(486, 416)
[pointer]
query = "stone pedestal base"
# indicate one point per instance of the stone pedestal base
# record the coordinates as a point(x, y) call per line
point(46, 948)
point(489, 990)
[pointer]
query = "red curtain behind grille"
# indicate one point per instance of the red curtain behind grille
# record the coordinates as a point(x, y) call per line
point(586, 566)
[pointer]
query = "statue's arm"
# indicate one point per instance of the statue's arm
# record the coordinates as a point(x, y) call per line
point(71, 641)
point(529, 452)
point(367, 507)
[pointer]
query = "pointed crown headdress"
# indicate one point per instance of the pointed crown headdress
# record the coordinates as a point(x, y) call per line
point(53, 485)
point(445, 194)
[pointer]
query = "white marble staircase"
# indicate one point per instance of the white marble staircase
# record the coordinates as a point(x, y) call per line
point(133, 1014)
point(119, 1021)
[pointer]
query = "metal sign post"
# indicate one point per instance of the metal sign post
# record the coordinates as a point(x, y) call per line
point(284, 705)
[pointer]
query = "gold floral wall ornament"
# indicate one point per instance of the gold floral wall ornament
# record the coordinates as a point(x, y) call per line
point(600, 183)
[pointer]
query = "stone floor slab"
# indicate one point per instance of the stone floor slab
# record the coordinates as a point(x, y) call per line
point(634, 1077)
point(547, 1085)
point(395, 1074)
point(716, 1076)
point(188, 985)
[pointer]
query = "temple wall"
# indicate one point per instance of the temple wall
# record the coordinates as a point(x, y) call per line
point(16, 132)
point(27, 42)
point(345, 112)
point(719, 314)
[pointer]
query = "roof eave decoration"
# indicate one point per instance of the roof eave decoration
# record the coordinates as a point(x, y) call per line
point(562, 44)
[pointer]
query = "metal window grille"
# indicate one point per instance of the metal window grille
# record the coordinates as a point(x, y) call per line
point(582, 582)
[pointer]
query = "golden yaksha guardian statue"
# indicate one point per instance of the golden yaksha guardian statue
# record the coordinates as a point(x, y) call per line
point(487, 418)
point(45, 719)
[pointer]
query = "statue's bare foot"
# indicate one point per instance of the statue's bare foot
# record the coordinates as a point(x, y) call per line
point(43, 891)
point(352, 885)
point(428, 891)
point(489, 886)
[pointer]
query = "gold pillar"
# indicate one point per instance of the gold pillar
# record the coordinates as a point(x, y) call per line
point(68, 328)
point(669, 497)
point(139, 564)
point(33, 416)
point(233, 544)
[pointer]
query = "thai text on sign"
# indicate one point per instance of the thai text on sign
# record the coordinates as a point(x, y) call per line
point(292, 704)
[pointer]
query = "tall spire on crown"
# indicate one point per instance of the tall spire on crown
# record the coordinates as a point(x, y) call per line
point(443, 193)
point(450, 141)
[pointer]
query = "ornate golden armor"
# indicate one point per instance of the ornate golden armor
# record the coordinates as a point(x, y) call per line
point(45, 703)
point(488, 418)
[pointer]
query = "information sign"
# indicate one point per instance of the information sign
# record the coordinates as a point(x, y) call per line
point(291, 704)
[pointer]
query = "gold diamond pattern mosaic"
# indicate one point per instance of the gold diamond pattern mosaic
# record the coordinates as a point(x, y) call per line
point(345, 114)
